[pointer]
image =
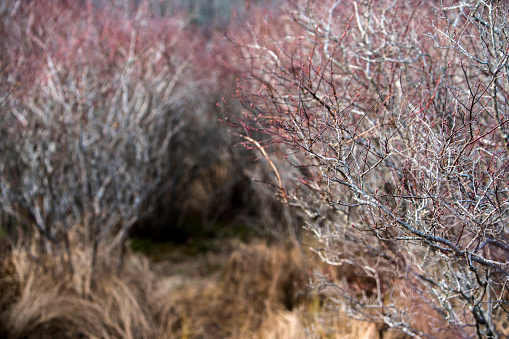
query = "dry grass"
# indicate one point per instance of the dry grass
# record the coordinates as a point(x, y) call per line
point(259, 291)
point(42, 303)
point(257, 282)
point(250, 297)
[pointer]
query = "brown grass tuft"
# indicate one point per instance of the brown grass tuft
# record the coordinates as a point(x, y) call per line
point(41, 303)
point(257, 282)
point(282, 325)
point(266, 274)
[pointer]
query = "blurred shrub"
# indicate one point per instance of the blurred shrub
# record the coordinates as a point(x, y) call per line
point(109, 126)
point(96, 97)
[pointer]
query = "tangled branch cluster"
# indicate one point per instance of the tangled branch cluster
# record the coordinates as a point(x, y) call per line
point(394, 114)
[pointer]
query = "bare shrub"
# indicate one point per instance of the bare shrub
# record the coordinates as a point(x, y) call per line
point(109, 123)
point(88, 142)
point(393, 116)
